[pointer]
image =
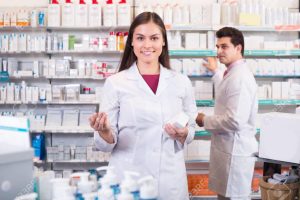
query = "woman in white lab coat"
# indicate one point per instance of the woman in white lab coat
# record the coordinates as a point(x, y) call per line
point(138, 103)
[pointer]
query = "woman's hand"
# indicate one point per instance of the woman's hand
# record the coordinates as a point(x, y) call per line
point(179, 134)
point(99, 122)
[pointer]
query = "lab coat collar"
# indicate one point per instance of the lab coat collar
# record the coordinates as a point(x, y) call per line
point(134, 74)
point(235, 66)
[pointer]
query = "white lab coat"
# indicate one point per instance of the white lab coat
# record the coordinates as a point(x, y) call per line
point(233, 131)
point(138, 116)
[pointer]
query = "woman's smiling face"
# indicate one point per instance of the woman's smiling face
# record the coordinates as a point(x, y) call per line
point(147, 43)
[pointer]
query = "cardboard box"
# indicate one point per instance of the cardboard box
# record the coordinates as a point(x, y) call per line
point(280, 137)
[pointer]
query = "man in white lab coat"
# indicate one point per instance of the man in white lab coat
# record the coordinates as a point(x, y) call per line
point(233, 141)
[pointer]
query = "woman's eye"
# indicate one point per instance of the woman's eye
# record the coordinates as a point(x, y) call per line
point(155, 38)
point(140, 38)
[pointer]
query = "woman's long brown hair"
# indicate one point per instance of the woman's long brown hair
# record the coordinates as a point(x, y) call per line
point(129, 57)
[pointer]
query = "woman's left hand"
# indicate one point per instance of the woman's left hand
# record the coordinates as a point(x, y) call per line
point(179, 134)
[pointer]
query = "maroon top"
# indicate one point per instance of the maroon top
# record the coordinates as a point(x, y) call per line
point(152, 81)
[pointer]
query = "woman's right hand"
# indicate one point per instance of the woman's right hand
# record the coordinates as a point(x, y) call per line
point(100, 122)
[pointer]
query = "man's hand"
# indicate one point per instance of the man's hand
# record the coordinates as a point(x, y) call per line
point(211, 64)
point(199, 119)
point(175, 133)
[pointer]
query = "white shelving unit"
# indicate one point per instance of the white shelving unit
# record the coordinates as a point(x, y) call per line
point(65, 133)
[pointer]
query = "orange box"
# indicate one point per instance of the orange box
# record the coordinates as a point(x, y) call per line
point(258, 174)
point(198, 185)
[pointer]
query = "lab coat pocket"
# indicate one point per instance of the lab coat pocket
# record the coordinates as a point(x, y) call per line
point(219, 168)
point(127, 116)
point(241, 177)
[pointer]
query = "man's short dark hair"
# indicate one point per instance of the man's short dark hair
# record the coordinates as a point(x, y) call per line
point(235, 35)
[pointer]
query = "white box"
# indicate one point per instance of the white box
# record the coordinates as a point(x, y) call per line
point(276, 90)
point(280, 137)
point(15, 131)
point(192, 40)
point(285, 90)
point(180, 120)
point(203, 41)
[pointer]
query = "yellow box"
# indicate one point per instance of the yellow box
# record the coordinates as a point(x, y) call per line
point(249, 19)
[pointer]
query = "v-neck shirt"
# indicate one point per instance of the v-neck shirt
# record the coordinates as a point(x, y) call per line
point(152, 81)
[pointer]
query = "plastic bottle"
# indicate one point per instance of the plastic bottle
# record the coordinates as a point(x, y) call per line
point(112, 44)
point(131, 184)
point(68, 14)
point(139, 8)
point(23, 92)
point(84, 185)
point(168, 14)
point(1, 18)
point(54, 14)
point(90, 196)
point(95, 14)
point(120, 41)
point(176, 12)
point(81, 14)
point(105, 192)
point(61, 189)
point(109, 14)
point(33, 18)
point(111, 178)
point(185, 10)
point(159, 10)
point(125, 194)
point(148, 191)
point(124, 14)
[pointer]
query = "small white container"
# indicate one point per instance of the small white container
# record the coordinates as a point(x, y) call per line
point(109, 14)
point(95, 14)
point(81, 14)
point(124, 14)
point(54, 14)
point(68, 14)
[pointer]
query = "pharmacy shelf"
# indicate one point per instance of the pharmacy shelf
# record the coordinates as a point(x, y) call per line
point(189, 28)
point(205, 103)
point(100, 28)
point(202, 133)
point(23, 53)
point(247, 53)
point(63, 130)
point(76, 161)
point(210, 103)
point(277, 28)
point(294, 52)
point(39, 162)
point(83, 52)
point(192, 53)
point(51, 103)
point(279, 102)
point(199, 76)
point(196, 161)
point(50, 29)
point(249, 28)
point(22, 29)
point(55, 77)
point(277, 76)
point(282, 28)
point(256, 76)
point(207, 133)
